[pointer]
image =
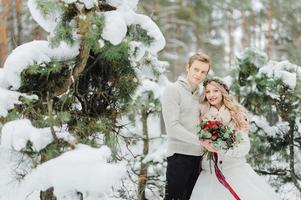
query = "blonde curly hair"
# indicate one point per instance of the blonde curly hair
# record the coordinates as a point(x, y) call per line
point(238, 112)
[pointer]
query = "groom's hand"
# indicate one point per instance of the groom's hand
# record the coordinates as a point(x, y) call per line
point(207, 145)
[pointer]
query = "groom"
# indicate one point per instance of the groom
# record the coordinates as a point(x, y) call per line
point(180, 107)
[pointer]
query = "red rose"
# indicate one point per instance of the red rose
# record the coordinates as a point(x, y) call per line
point(214, 124)
point(211, 125)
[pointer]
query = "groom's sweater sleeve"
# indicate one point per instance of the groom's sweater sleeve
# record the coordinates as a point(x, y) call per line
point(242, 148)
point(171, 115)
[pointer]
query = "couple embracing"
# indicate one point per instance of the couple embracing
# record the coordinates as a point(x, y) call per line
point(189, 175)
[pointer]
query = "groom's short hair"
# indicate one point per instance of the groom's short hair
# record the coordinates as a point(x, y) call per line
point(200, 57)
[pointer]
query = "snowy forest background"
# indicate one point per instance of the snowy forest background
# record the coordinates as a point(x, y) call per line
point(81, 80)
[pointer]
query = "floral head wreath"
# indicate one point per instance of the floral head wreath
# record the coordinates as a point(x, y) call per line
point(217, 80)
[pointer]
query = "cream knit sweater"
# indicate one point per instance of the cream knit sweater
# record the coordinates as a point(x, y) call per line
point(181, 111)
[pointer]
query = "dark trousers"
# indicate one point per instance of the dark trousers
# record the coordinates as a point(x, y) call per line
point(181, 174)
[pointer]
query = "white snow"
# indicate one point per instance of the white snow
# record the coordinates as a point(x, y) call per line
point(49, 22)
point(274, 131)
point(101, 43)
point(123, 4)
point(89, 3)
point(69, 1)
point(37, 51)
point(133, 152)
point(13, 166)
point(152, 29)
point(16, 134)
point(284, 70)
point(7, 100)
point(3, 81)
point(157, 154)
point(254, 55)
point(148, 65)
point(273, 95)
point(298, 123)
point(115, 27)
point(83, 169)
point(149, 86)
point(137, 51)
point(116, 23)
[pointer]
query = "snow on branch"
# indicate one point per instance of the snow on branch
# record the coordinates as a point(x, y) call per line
point(16, 134)
point(47, 21)
point(279, 129)
point(37, 51)
point(123, 4)
point(149, 86)
point(253, 55)
point(115, 32)
point(7, 100)
point(287, 72)
point(84, 169)
point(298, 123)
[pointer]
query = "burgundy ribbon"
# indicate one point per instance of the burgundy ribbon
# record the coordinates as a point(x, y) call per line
point(221, 178)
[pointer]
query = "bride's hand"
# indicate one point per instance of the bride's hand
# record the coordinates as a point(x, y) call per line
point(203, 117)
point(207, 145)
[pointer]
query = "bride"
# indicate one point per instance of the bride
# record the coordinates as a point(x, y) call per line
point(242, 180)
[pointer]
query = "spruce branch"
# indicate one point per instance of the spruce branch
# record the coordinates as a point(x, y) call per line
point(277, 172)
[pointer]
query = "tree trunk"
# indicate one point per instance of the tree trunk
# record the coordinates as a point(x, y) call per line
point(11, 27)
point(245, 37)
point(254, 31)
point(299, 40)
point(269, 34)
point(292, 156)
point(143, 166)
point(3, 30)
point(260, 36)
point(157, 7)
point(37, 32)
point(19, 21)
point(231, 39)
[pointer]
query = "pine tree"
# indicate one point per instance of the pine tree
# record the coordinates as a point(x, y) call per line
point(271, 91)
point(85, 79)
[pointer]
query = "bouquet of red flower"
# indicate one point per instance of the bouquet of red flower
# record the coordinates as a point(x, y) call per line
point(221, 136)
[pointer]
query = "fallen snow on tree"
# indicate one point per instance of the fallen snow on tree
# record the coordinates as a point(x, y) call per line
point(287, 72)
point(115, 27)
point(37, 51)
point(149, 86)
point(253, 55)
point(83, 169)
point(123, 4)
point(48, 22)
point(298, 123)
point(7, 100)
point(279, 129)
point(115, 32)
point(16, 134)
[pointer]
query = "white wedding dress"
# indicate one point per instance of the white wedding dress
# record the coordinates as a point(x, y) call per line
point(238, 173)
